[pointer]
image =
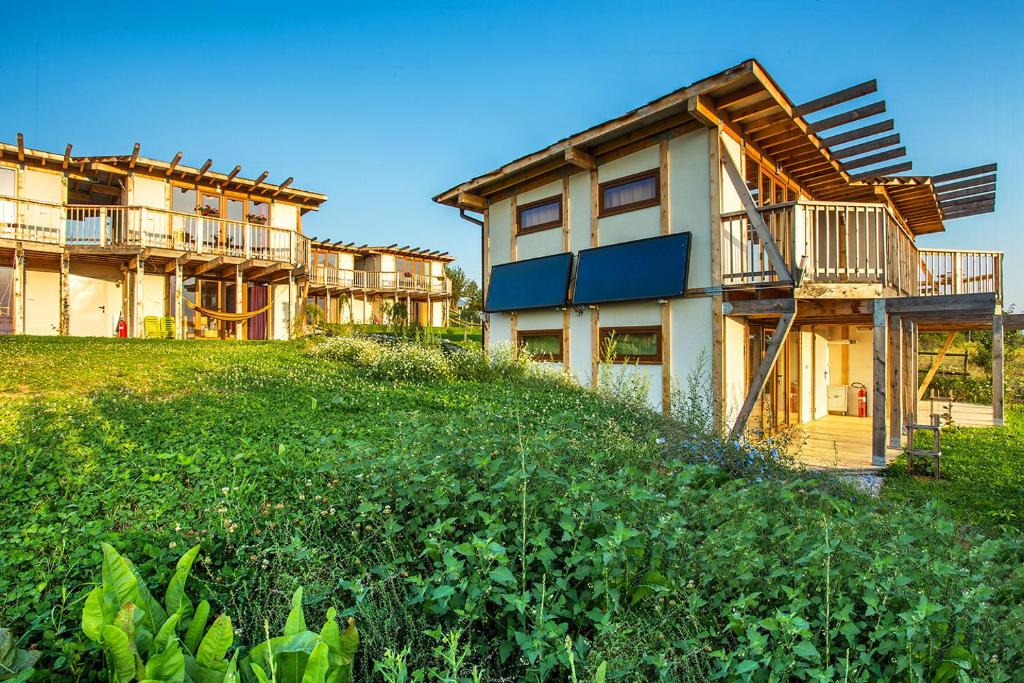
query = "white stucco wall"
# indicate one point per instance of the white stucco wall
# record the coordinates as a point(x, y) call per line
point(284, 215)
point(282, 317)
point(146, 191)
point(42, 186)
point(42, 302)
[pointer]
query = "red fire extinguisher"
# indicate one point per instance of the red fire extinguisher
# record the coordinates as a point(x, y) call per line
point(862, 399)
point(122, 327)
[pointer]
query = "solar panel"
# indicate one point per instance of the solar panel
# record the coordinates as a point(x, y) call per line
point(534, 283)
point(653, 268)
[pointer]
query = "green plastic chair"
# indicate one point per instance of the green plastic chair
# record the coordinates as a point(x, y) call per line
point(167, 323)
point(151, 323)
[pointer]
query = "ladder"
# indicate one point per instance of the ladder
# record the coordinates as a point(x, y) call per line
point(935, 453)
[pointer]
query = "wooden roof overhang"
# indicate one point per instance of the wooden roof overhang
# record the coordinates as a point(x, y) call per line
point(102, 174)
point(855, 164)
point(367, 250)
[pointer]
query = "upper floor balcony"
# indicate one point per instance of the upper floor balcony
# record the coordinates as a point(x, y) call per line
point(129, 227)
point(850, 250)
point(380, 281)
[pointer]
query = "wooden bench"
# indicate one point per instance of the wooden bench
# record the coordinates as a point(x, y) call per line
point(935, 453)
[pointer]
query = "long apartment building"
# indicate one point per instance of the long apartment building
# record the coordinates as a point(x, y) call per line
point(87, 242)
point(725, 231)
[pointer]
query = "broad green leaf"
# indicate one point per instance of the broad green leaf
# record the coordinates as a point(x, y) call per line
point(296, 619)
point(175, 599)
point(316, 667)
point(806, 649)
point(167, 633)
point(501, 574)
point(126, 620)
point(169, 665)
point(118, 576)
point(602, 668)
point(350, 639)
point(92, 614)
point(196, 628)
point(119, 653)
point(6, 646)
point(261, 675)
point(216, 643)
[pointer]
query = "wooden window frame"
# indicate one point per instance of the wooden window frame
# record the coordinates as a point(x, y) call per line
point(654, 173)
point(557, 223)
point(655, 359)
point(556, 332)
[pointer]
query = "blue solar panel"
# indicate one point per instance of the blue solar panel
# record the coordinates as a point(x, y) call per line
point(653, 268)
point(534, 283)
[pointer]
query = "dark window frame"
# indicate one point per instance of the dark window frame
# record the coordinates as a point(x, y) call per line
point(546, 358)
point(655, 359)
point(603, 211)
point(540, 226)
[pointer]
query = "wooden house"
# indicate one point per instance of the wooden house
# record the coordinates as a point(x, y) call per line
point(725, 232)
point(174, 250)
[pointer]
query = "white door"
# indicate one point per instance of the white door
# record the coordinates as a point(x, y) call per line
point(94, 305)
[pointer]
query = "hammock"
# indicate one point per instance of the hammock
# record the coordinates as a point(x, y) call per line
point(226, 317)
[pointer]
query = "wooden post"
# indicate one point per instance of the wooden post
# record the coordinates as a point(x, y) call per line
point(65, 267)
point(292, 306)
point(179, 298)
point(895, 395)
point(140, 276)
point(19, 291)
point(514, 244)
point(997, 368)
point(879, 335)
point(485, 318)
point(771, 355)
point(909, 385)
point(239, 301)
point(666, 307)
point(595, 346)
point(717, 315)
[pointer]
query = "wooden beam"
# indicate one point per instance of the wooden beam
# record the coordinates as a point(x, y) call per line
point(969, 192)
point(107, 168)
point(284, 184)
point(950, 203)
point(203, 169)
point(268, 270)
point(67, 157)
point(973, 182)
point(872, 159)
point(739, 95)
point(231, 176)
point(835, 98)
point(212, 264)
point(879, 339)
point(471, 202)
point(848, 117)
point(771, 355)
point(864, 147)
point(580, 159)
point(956, 175)
point(135, 155)
point(173, 164)
point(984, 302)
point(747, 307)
point(886, 170)
point(701, 109)
point(858, 133)
point(21, 147)
point(935, 365)
point(767, 241)
point(260, 179)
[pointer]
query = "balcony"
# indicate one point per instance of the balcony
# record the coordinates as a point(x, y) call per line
point(851, 249)
point(380, 282)
point(117, 227)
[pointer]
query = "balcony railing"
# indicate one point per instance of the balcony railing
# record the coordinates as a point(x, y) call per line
point(851, 243)
point(140, 226)
point(392, 282)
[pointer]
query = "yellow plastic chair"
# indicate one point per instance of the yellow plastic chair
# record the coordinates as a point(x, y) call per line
point(167, 324)
point(151, 323)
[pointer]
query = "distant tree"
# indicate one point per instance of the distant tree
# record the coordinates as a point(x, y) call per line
point(474, 303)
point(465, 294)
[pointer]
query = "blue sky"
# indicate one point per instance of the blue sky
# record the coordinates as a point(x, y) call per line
point(383, 106)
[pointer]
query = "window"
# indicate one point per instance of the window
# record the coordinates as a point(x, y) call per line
point(183, 200)
point(539, 215)
point(210, 206)
point(543, 345)
point(632, 344)
point(259, 212)
point(633, 192)
point(8, 185)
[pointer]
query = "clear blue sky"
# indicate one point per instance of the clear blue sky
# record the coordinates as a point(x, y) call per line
point(382, 107)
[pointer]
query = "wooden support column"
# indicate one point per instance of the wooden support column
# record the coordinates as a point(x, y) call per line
point(64, 312)
point(997, 368)
point(327, 305)
point(566, 247)
point(485, 318)
point(666, 307)
point(513, 325)
point(895, 394)
point(138, 293)
point(909, 385)
point(179, 299)
point(879, 337)
point(717, 314)
point(514, 245)
point(595, 314)
point(239, 302)
point(771, 355)
point(292, 306)
point(19, 291)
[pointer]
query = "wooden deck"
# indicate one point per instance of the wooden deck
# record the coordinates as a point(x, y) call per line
point(843, 442)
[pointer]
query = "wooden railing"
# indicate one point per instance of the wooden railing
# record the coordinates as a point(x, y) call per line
point(851, 243)
point(948, 271)
point(394, 282)
point(140, 226)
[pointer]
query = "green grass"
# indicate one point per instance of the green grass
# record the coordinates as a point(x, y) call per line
point(518, 509)
point(982, 474)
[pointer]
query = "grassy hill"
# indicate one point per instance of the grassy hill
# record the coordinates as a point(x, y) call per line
point(550, 526)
